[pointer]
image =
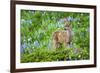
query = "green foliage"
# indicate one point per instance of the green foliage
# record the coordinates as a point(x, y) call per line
point(37, 28)
point(43, 55)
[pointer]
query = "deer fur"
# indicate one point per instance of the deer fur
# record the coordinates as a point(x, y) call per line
point(62, 36)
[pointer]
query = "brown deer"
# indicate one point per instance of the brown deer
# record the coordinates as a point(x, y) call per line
point(62, 36)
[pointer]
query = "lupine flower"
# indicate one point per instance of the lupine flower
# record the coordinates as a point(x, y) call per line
point(36, 44)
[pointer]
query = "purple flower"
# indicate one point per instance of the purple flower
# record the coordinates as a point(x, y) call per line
point(76, 19)
point(23, 46)
point(36, 44)
point(70, 18)
point(29, 21)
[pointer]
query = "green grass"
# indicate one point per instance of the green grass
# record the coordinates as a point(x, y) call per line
point(44, 55)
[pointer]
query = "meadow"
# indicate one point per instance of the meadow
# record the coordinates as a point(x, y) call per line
point(37, 28)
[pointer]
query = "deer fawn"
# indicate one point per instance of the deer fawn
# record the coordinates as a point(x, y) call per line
point(62, 36)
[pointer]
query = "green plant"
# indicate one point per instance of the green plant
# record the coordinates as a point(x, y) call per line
point(37, 28)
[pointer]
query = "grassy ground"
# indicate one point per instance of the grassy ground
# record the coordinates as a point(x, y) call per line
point(41, 55)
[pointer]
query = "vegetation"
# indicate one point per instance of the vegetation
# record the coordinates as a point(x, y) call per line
point(37, 28)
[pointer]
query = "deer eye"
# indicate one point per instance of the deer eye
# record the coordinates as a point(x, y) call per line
point(65, 28)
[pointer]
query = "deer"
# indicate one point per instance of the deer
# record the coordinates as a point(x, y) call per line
point(62, 36)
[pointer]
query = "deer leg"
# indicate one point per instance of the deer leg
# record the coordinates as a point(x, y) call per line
point(57, 45)
point(65, 44)
point(69, 44)
point(54, 44)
